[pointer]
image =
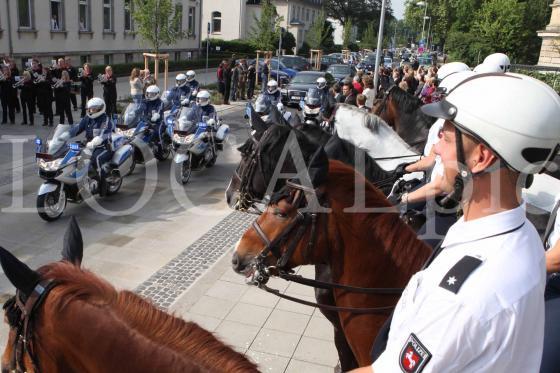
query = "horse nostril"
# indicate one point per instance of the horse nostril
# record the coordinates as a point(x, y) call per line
point(237, 263)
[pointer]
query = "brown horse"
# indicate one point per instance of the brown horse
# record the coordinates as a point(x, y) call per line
point(401, 111)
point(362, 249)
point(73, 321)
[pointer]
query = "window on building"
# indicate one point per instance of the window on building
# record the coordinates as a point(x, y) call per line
point(307, 15)
point(25, 8)
point(191, 24)
point(107, 15)
point(179, 11)
point(128, 57)
point(216, 22)
point(84, 15)
point(177, 56)
point(128, 22)
point(108, 59)
point(84, 59)
point(57, 15)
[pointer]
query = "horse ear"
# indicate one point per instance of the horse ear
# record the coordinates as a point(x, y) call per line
point(257, 123)
point(73, 246)
point(318, 167)
point(20, 275)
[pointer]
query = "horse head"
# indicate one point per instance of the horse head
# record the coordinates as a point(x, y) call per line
point(290, 216)
point(23, 311)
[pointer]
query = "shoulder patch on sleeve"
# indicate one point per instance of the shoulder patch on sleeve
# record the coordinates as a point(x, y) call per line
point(458, 274)
point(414, 355)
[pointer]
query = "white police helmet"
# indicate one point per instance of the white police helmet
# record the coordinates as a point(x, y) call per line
point(181, 80)
point(321, 83)
point(499, 110)
point(451, 68)
point(203, 98)
point(484, 68)
point(152, 92)
point(190, 75)
point(95, 107)
point(500, 60)
point(272, 86)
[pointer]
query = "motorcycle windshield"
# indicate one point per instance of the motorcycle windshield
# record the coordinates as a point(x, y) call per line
point(166, 99)
point(57, 143)
point(133, 114)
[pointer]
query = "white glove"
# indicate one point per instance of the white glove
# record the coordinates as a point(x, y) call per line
point(211, 122)
point(95, 142)
point(185, 102)
point(155, 117)
point(280, 107)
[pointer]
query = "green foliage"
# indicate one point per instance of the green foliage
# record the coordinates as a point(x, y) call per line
point(233, 46)
point(266, 31)
point(318, 32)
point(304, 49)
point(346, 33)
point(288, 41)
point(157, 22)
point(552, 79)
point(369, 38)
point(469, 28)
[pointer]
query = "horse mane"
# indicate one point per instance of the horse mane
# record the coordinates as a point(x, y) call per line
point(406, 102)
point(385, 227)
point(142, 316)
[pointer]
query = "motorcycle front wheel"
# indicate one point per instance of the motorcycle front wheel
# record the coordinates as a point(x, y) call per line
point(50, 206)
point(183, 171)
point(114, 183)
point(163, 154)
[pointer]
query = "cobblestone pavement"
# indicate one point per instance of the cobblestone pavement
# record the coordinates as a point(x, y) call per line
point(167, 284)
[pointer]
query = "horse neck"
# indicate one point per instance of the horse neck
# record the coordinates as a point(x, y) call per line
point(186, 338)
point(413, 128)
point(82, 337)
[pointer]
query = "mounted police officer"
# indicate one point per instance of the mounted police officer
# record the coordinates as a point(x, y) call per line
point(478, 306)
point(98, 128)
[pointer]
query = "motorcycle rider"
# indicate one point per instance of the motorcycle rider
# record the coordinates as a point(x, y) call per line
point(500, 60)
point(192, 83)
point(98, 127)
point(272, 92)
point(262, 107)
point(181, 89)
point(202, 108)
point(153, 110)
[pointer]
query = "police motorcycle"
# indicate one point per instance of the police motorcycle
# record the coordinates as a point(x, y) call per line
point(176, 101)
point(197, 139)
point(140, 125)
point(67, 168)
point(311, 107)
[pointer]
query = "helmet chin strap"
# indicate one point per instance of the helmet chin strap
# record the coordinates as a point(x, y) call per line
point(464, 174)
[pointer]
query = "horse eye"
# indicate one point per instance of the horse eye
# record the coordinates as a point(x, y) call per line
point(280, 214)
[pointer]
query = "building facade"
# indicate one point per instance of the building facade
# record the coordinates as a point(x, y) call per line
point(95, 31)
point(550, 49)
point(234, 19)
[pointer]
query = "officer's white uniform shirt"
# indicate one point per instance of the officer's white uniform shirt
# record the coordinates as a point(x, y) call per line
point(433, 138)
point(494, 323)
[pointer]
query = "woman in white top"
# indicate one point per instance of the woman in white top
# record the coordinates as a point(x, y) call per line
point(136, 85)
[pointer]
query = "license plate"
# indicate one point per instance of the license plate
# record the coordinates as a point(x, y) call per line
point(294, 97)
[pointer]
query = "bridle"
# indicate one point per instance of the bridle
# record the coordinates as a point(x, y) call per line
point(291, 237)
point(24, 329)
point(254, 166)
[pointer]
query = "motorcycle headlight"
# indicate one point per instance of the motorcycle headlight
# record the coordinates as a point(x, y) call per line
point(126, 133)
point(49, 165)
point(183, 139)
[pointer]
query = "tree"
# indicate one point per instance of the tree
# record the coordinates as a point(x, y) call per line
point(347, 34)
point(361, 12)
point(369, 39)
point(158, 22)
point(266, 31)
point(318, 33)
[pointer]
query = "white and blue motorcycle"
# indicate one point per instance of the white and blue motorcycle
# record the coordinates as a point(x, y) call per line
point(66, 168)
point(196, 145)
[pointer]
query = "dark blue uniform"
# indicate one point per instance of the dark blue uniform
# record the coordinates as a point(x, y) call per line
point(101, 126)
point(274, 98)
point(150, 108)
point(193, 85)
point(177, 92)
point(198, 112)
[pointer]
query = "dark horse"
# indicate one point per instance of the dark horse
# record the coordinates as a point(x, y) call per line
point(66, 319)
point(402, 112)
point(361, 249)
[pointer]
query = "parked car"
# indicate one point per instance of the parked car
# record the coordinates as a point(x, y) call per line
point(341, 71)
point(326, 61)
point(300, 84)
point(297, 63)
point(274, 66)
point(280, 76)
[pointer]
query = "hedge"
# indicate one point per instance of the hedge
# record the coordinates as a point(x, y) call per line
point(552, 79)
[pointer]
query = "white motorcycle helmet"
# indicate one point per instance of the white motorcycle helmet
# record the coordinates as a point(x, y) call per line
point(321, 83)
point(485, 68)
point(500, 60)
point(181, 80)
point(203, 98)
point(190, 75)
point(95, 107)
point(272, 86)
point(453, 80)
point(451, 68)
point(499, 110)
point(152, 93)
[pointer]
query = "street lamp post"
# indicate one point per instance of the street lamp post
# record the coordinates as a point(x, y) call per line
point(425, 5)
point(429, 29)
point(379, 46)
